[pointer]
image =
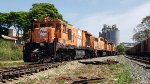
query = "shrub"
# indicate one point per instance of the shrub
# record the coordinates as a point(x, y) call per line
point(10, 51)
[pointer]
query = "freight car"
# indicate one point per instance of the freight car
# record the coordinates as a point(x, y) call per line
point(53, 40)
point(140, 50)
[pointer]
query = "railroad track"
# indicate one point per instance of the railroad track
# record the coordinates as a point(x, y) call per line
point(7, 73)
point(140, 61)
point(11, 73)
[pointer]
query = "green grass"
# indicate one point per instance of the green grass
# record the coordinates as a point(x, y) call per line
point(9, 51)
point(124, 76)
point(11, 63)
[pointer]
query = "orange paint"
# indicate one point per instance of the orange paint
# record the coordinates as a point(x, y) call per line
point(45, 30)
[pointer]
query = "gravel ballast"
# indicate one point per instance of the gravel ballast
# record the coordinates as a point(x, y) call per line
point(139, 73)
point(75, 71)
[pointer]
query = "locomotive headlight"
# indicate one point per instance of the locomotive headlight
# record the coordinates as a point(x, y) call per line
point(41, 44)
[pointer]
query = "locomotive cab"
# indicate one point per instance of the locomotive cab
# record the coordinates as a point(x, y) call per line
point(46, 30)
point(42, 39)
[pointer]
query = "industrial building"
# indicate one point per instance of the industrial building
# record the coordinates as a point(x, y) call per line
point(10, 34)
point(111, 33)
point(128, 45)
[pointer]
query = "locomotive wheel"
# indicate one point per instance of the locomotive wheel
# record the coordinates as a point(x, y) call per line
point(69, 58)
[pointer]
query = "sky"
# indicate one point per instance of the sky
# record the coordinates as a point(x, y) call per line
point(90, 15)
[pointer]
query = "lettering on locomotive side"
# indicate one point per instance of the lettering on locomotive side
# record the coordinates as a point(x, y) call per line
point(43, 32)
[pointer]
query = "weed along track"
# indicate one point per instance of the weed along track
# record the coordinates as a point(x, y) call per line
point(9, 73)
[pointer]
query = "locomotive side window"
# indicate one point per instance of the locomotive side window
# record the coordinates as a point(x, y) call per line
point(96, 39)
point(42, 25)
point(64, 28)
point(102, 39)
point(35, 26)
point(58, 26)
point(69, 34)
point(88, 40)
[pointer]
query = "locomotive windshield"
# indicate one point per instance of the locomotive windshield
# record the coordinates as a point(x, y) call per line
point(42, 25)
point(57, 26)
point(35, 26)
point(50, 24)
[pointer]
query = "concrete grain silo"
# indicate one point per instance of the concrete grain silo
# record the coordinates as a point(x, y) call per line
point(112, 34)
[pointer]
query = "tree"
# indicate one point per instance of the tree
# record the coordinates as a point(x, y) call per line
point(142, 30)
point(42, 10)
point(4, 22)
point(19, 20)
point(139, 36)
point(23, 20)
point(121, 49)
point(16, 19)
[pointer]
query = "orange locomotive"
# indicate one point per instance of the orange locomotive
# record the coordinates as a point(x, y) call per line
point(54, 40)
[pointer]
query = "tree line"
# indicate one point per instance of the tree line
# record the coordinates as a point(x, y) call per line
point(142, 30)
point(23, 20)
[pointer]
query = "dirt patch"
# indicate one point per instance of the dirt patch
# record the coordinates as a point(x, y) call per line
point(63, 78)
point(85, 80)
point(108, 61)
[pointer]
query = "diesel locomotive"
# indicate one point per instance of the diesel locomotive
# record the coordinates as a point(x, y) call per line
point(51, 39)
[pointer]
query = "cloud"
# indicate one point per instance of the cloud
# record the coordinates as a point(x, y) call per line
point(125, 21)
point(128, 1)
